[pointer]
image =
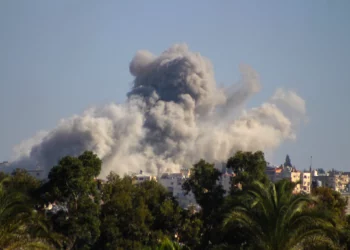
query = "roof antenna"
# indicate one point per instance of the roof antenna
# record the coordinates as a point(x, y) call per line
point(310, 163)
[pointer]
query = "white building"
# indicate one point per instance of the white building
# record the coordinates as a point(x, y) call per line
point(306, 181)
point(226, 182)
point(142, 177)
point(173, 183)
point(4, 164)
point(277, 173)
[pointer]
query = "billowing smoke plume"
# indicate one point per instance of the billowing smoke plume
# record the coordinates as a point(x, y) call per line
point(174, 116)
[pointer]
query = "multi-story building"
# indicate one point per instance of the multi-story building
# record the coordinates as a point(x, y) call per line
point(342, 182)
point(335, 180)
point(142, 177)
point(270, 172)
point(338, 182)
point(173, 183)
point(304, 179)
point(306, 182)
point(295, 177)
point(275, 173)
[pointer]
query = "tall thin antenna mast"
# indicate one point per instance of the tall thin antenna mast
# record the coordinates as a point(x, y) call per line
point(311, 160)
point(310, 163)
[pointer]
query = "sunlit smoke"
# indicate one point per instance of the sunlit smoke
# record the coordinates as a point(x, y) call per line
point(174, 115)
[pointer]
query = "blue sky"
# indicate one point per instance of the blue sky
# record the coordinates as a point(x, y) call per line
point(59, 57)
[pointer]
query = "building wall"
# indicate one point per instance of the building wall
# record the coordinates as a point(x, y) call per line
point(338, 182)
point(226, 182)
point(295, 177)
point(173, 183)
point(143, 177)
point(306, 182)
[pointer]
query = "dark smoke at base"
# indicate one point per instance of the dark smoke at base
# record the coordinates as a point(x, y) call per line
point(175, 115)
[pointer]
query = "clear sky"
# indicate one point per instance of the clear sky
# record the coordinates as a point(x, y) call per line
point(59, 57)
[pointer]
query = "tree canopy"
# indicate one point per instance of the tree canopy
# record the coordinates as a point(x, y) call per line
point(248, 167)
point(133, 216)
point(287, 162)
point(272, 217)
point(74, 209)
point(72, 183)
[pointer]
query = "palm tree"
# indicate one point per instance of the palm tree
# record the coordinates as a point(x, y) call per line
point(19, 223)
point(271, 217)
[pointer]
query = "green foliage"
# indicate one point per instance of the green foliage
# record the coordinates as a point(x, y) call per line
point(209, 194)
point(19, 223)
point(248, 167)
point(22, 181)
point(72, 184)
point(190, 229)
point(344, 233)
point(74, 177)
point(118, 214)
point(166, 244)
point(287, 162)
point(203, 182)
point(331, 201)
point(136, 215)
point(271, 217)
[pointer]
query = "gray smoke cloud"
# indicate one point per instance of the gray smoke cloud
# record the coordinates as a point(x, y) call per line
point(174, 115)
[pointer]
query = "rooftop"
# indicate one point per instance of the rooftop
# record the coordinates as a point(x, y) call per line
point(172, 176)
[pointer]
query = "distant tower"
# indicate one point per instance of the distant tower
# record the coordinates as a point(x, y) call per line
point(310, 164)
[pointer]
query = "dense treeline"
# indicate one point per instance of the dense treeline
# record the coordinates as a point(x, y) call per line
point(75, 210)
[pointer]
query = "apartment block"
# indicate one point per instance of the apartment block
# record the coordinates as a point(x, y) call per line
point(173, 183)
point(306, 181)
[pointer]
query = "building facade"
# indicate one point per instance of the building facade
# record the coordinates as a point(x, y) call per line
point(303, 179)
point(306, 182)
point(142, 177)
point(173, 183)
